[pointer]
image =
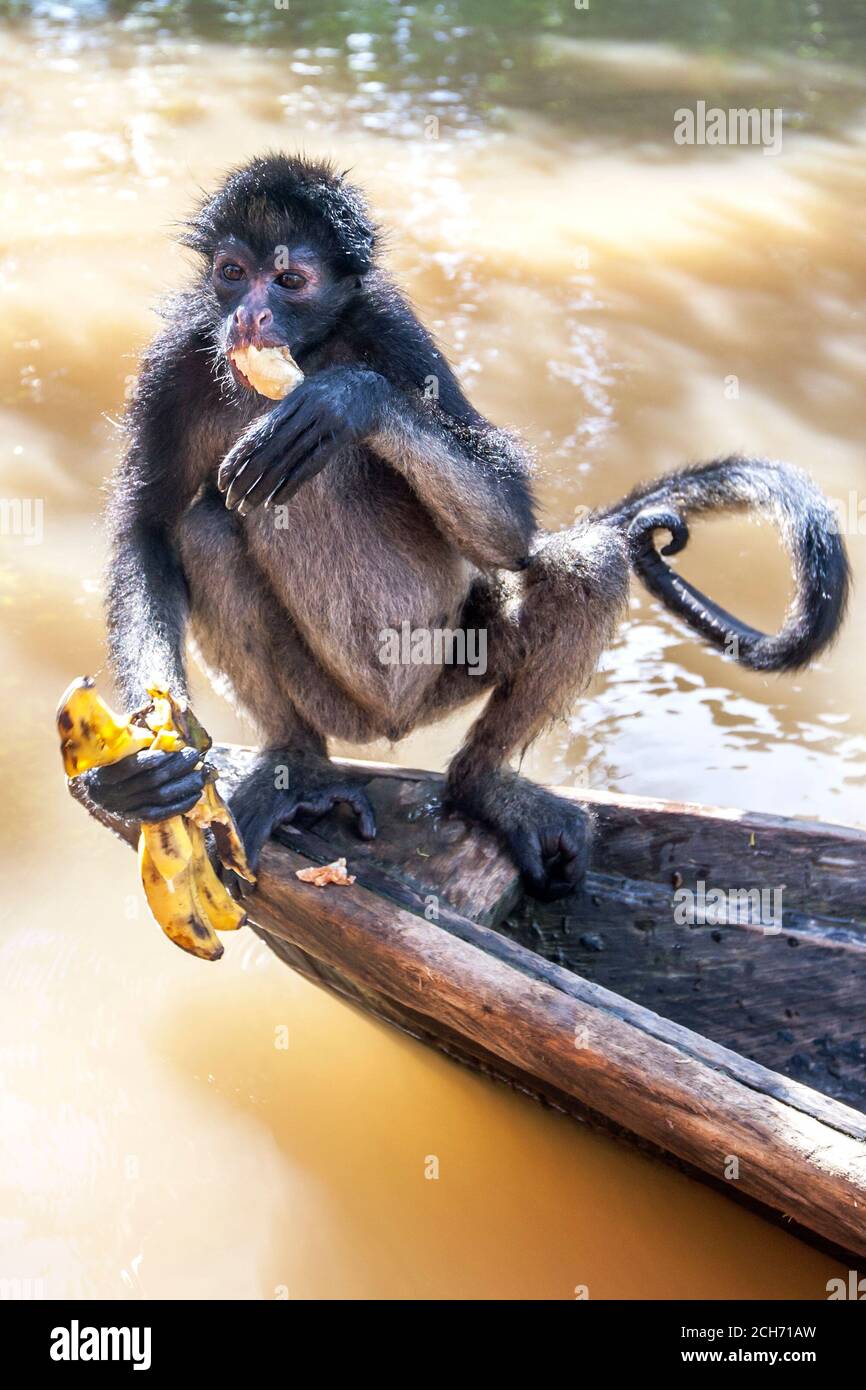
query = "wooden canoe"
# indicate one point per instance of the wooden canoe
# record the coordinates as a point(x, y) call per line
point(736, 1047)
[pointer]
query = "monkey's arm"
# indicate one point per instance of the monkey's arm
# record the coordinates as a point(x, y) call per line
point(471, 477)
point(146, 589)
point(166, 461)
point(146, 599)
point(146, 617)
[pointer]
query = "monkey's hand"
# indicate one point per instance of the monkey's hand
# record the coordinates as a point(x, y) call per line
point(294, 441)
point(147, 786)
point(259, 806)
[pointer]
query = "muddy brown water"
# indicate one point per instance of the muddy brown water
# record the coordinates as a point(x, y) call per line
point(597, 291)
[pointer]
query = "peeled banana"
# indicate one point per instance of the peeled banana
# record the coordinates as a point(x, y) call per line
point(183, 892)
point(273, 372)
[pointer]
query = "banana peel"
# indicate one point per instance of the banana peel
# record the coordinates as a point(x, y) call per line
point(90, 734)
point(183, 892)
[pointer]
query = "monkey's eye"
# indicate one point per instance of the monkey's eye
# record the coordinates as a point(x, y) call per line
point(230, 271)
point(291, 280)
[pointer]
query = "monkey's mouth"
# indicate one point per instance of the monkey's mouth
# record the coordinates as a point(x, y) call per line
point(235, 357)
point(271, 371)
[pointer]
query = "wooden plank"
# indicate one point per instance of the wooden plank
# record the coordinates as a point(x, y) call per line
point(797, 1013)
point(509, 949)
point(821, 868)
point(431, 850)
point(418, 840)
point(788, 1159)
point(791, 1000)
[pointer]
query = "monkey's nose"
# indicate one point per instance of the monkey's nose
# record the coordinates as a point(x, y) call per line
point(252, 323)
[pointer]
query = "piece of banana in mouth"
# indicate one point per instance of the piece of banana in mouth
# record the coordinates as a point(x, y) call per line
point(273, 371)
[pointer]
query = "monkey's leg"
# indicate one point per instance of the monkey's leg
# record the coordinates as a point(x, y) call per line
point(544, 650)
point(253, 651)
point(249, 642)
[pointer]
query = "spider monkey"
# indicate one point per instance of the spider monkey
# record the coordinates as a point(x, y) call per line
point(285, 537)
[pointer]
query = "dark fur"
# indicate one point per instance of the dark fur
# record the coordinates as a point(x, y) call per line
point(808, 527)
point(399, 508)
point(276, 196)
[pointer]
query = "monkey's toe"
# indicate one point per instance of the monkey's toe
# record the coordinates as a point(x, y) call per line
point(259, 809)
point(552, 856)
point(320, 800)
point(552, 864)
point(548, 838)
point(255, 829)
point(564, 854)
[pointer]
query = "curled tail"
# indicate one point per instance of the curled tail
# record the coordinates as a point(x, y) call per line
point(809, 529)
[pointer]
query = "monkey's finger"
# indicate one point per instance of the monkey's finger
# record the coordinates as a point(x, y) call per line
point(150, 788)
point(564, 852)
point(291, 404)
point(227, 470)
point(363, 808)
point(302, 409)
point(150, 768)
point(245, 476)
point(185, 789)
point(271, 452)
point(277, 451)
point(244, 448)
point(236, 459)
point(285, 446)
point(366, 817)
point(274, 476)
point(307, 468)
point(241, 463)
point(564, 846)
point(158, 813)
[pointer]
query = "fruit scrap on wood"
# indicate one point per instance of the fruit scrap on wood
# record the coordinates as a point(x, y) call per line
point(320, 874)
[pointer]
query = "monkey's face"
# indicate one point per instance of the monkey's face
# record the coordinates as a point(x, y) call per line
point(286, 298)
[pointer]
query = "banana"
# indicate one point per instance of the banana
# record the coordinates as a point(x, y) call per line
point(91, 735)
point(168, 844)
point(211, 811)
point(183, 892)
point(176, 727)
point(273, 372)
point(169, 715)
point(213, 899)
point(175, 908)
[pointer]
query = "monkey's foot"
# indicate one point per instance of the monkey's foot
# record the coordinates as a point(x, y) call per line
point(547, 837)
point(261, 802)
